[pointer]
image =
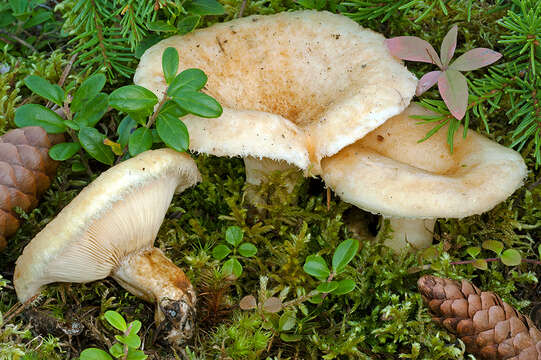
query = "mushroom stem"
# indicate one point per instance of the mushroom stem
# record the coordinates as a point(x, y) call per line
point(258, 171)
point(417, 233)
point(150, 275)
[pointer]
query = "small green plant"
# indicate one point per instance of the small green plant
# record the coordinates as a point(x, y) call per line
point(234, 236)
point(21, 15)
point(127, 344)
point(82, 112)
point(316, 266)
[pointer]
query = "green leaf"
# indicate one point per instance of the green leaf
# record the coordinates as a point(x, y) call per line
point(539, 251)
point(327, 287)
point(92, 141)
point(170, 107)
point(134, 326)
point(94, 354)
point(77, 167)
point(198, 104)
point(87, 91)
point(232, 266)
point(117, 350)
point(473, 251)
point(140, 141)
point(188, 24)
point(234, 235)
point(145, 44)
point(188, 80)
point(493, 245)
point(220, 252)
point(316, 266)
point(287, 321)
point(38, 17)
point(116, 320)
point(480, 264)
point(132, 340)
point(45, 89)
point(511, 257)
point(125, 129)
point(64, 151)
point(247, 249)
point(172, 131)
point(134, 354)
point(205, 7)
point(344, 286)
point(93, 111)
point(316, 299)
point(161, 26)
point(170, 64)
point(72, 125)
point(344, 253)
point(37, 115)
point(133, 98)
point(290, 337)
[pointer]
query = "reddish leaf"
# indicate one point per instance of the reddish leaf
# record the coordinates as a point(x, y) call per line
point(454, 91)
point(248, 303)
point(427, 81)
point(413, 49)
point(475, 59)
point(448, 46)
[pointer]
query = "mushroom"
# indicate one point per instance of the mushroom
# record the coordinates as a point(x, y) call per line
point(109, 230)
point(295, 87)
point(389, 172)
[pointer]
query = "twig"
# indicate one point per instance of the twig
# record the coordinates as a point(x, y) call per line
point(242, 7)
point(66, 71)
point(155, 113)
point(19, 40)
point(17, 309)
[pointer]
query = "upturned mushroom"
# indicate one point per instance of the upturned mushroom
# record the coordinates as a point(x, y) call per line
point(109, 230)
point(388, 172)
point(295, 87)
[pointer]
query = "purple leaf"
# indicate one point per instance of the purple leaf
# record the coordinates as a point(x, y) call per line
point(413, 49)
point(454, 91)
point(448, 46)
point(427, 81)
point(475, 59)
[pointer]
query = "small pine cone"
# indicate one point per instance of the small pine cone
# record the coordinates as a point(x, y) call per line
point(26, 171)
point(490, 328)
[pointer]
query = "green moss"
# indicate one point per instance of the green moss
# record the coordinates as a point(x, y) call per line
point(383, 318)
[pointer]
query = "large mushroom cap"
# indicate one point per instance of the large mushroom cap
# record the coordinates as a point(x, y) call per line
point(117, 214)
point(388, 172)
point(330, 79)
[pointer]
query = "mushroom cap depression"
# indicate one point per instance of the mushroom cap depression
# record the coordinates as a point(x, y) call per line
point(295, 86)
point(388, 172)
point(117, 214)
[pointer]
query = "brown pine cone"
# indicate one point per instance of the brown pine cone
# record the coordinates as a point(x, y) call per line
point(26, 171)
point(490, 328)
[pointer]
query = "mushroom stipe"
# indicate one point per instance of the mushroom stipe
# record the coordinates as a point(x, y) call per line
point(109, 230)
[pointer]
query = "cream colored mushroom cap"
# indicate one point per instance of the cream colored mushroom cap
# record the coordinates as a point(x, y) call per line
point(389, 173)
point(118, 213)
point(330, 79)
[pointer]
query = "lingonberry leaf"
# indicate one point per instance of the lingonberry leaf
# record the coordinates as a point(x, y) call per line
point(427, 81)
point(454, 91)
point(448, 46)
point(413, 49)
point(475, 59)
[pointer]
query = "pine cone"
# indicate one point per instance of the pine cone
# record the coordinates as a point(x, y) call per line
point(25, 173)
point(490, 328)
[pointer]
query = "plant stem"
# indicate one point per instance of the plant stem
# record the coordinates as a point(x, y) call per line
point(463, 262)
point(155, 113)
